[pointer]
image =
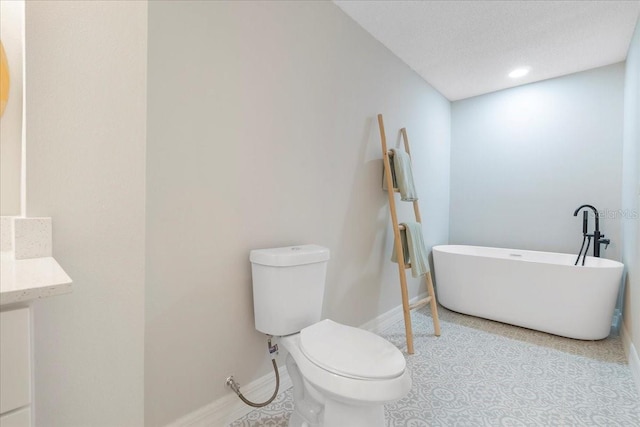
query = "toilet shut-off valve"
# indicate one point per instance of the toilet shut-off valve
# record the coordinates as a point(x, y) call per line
point(233, 385)
point(273, 349)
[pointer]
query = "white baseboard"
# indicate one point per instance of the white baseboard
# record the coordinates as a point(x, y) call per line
point(229, 408)
point(632, 356)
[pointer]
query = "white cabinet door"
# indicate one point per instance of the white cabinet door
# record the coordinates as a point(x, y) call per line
point(15, 360)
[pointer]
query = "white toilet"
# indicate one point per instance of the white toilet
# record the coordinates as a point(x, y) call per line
point(342, 376)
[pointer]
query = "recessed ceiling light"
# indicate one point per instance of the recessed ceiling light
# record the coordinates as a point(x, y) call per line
point(519, 72)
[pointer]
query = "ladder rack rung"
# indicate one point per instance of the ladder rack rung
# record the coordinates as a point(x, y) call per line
point(420, 303)
point(390, 153)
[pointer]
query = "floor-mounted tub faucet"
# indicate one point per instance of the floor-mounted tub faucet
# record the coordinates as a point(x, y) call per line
point(598, 238)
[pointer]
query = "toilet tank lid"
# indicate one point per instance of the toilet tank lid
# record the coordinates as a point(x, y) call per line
point(289, 255)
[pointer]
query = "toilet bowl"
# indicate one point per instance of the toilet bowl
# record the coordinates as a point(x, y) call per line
point(342, 376)
point(345, 375)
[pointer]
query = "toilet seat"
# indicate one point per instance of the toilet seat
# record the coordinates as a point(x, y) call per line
point(341, 387)
point(351, 352)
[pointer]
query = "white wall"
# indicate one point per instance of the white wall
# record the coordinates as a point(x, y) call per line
point(86, 125)
point(631, 190)
point(523, 159)
point(12, 36)
point(262, 133)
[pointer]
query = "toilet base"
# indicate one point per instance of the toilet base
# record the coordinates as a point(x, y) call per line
point(312, 409)
point(337, 414)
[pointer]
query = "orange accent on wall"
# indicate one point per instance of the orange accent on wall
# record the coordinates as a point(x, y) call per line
point(4, 79)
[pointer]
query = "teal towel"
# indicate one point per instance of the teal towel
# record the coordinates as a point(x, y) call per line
point(401, 175)
point(413, 249)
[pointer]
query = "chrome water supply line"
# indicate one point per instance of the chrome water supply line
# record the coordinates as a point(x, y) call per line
point(233, 385)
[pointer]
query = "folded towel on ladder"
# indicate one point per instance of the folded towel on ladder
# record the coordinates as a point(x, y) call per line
point(413, 248)
point(401, 175)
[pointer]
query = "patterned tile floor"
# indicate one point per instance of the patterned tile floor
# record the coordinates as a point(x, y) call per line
point(484, 373)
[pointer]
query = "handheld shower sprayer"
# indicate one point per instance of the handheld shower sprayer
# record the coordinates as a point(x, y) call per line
point(597, 236)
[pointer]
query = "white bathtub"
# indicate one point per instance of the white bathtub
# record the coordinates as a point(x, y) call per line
point(536, 290)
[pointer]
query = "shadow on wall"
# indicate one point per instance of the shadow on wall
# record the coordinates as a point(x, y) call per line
point(366, 243)
point(357, 301)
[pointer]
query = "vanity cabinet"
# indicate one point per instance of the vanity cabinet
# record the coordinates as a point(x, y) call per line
point(28, 272)
point(15, 367)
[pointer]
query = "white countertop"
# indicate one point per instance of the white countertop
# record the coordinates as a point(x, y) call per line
point(29, 279)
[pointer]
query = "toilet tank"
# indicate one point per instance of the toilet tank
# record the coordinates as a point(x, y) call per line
point(288, 287)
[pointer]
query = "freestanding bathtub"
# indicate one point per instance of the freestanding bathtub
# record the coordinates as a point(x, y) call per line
point(536, 290)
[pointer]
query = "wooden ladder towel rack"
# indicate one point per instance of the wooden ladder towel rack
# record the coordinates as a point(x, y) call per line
point(402, 267)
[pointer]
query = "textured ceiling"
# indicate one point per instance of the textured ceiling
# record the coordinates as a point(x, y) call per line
point(467, 48)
